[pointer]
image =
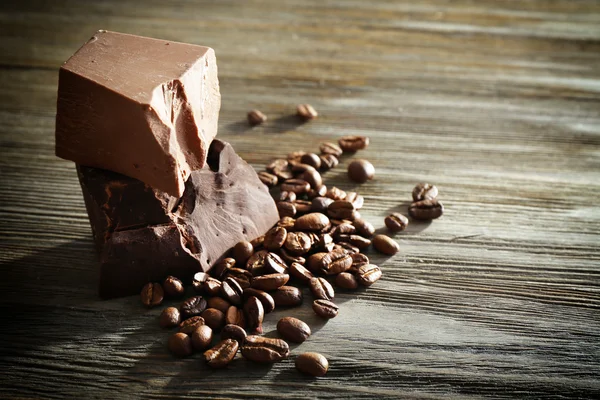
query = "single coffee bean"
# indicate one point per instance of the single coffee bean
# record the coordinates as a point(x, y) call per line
point(152, 294)
point(169, 318)
point(313, 364)
point(265, 298)
point(426, 210)
point(287, 196)
point(265, 350)
point(297, 243)
point(255, 313)
point(343, 229)
point(293, 330)
point(202, 337)
point(256, 117)
point(321, 289)
point(289, 258)
point(287, 223)
point(221, 267)
point(274, 238)
point(274, 264)
point(320, 204)
point(257, 242)
point(386, 245)
point(180, 344)
point(325, 308)
point(368, 274)
point(319, 192)
point(198, 281)
point(256, 263)
point(351, 144)
point(314, 222)
point(287, 296)
point(306, 112)
point(302, 206)
point(286, 209)
point(214, 318)
point(268, 179)
point(396, 222)
point(192, 307)
point(298, 167)
point(335, 193)
point(330, 263)
point(222, 354)
point(328, 161)
point(341, 209)
point(242, 251)
point(234, 332)
point(346, 280)
point(189, 325)
point(355, 240)
point(424, 191)
point(279, 164)
point(360, 171)
point(297, 186)
point(269, 282)
point(330, 148)
point(313, 177)
point(363, 228)
point(232, 291)
point(173, 287)
point(358, 260)
point(325, 243)
point(311, 159)
point(314, 262)
point(350, 249)
point(240, 275)
point(235, 316)
point(298, 271)
point(356, 199)
point(295, 155)
point(212, 287)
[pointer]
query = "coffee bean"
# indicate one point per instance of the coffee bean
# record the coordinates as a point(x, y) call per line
point(287, 223)
point(311, 159)
point(212, 287)
point(214, 318)
point(256, 263)
point(189, 325)
point(152, 294)
point(268, 179)
point(350, 249)
point(289, 258)
point(298, 167)
point(396, 222)
point(343, 229)
point(313, 177)
point(293, 330)
point(220, 267)
point(386, 245)
point(269, 282)
point(192, 307)
point(360, 171)
point(235, 316)
point(265, 350)
point(169, 317)
point(234, 332)
point(328, 161)
point(368, 274)
point(280, 169)
point(424, 191)
point(256, 117)
point(297, 186)
point(302, 206)
point(314, 222)
point(274, 238)
point(257, 242)
point(295, 155)
point(306, 112)
point(335, 193)
point(297, 243)
point(202, 337)
point(320, 204)
point(321, 289)
point(356, 199)
point(274, 264)
point(286, 209)
point(330, 263)
point(287, 196)
point(313, 364)
point(325, 243)
point(232, 291)
point(254, 313)
point(318, 192)
point(241, 276)
point(287, 296)
point(173, 287)
point(426, 210)
point(242, 251)
point(351, 144)
point(355, 240)
point(325, 308)
point(346, 280)
point(265, 298)
point(221, 354)
point(364, 228)
point(330, 148)
point(200, 277)
point(180, 344)
point(299, 272)
point(358, 260)
point(341, 209)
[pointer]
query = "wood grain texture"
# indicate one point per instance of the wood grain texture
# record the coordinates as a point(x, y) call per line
point(496, 102)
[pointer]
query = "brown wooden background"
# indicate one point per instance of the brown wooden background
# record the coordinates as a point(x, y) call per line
point(496, 102)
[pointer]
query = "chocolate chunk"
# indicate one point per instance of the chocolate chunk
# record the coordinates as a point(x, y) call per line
point(142, 107)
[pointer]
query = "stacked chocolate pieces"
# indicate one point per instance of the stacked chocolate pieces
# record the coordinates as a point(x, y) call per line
point(138, 116)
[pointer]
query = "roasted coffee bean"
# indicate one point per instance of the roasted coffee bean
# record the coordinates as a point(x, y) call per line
point(287, 296)
point(321, 289)
point(256, 117)
point(293, 330)
point(351, 144)
point(313, 364)
point(426, 210)
point(306, 112)
point(346, 280)
point(298, 168)
point(396, 222)
point(314, 262)
point(319, 192)
point(311, 159)
point(347, 247)
point(257, 242)
point(286, 209)
point(386, 245)
point(274, 238)
point(356, 199)
point(212, 287)
point(297, 243)
point(240, 275)
point(180, 344)
point(314, 222)
point(222, 354)
point(242, 251)
point(424, 191)
point(287, 196)
point(320, 204)
point(295, 155)
point(254, 313)
point(330, 148)
point(173, 287)
point(274, 264)
point(267, 178)
point(356, 240)
point(269, 282)
point(368, 274)
point(343, 229)
point(200, 277)
point(221, 267)
point(341, 209)
point(234, 332)
point(289, 258)
point(287, 223)
point(328, 161)
point(202, 337)
point(330, 263)
point(299, 272)
point(279, 164)
point(214, 318)
point(189, 325)
point(358, 260)
point(169, 317)
point(360, 171)
point(256, 263)
point(152, 294)
point(235, 316)
point(232, 291)
point(192, 307)
point(265, 298)
point(335, 193)
point(314, 239)
point(364, 228)
point(302, 206)
point(325, 243)
point(297, 186)
point(325, 308)
point(313, 177)
point(265, 350)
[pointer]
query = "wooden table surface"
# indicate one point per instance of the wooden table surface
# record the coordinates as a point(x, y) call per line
point(496, 102)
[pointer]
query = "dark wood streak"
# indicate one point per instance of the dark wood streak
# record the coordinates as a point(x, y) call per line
point(497, 103)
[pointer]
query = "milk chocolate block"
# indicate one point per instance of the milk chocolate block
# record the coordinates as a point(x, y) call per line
point(142, 107)
point(144, 234)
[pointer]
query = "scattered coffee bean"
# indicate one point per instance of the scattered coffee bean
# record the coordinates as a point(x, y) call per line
point(297, 186)
point(221, 354)
point(351, 144)
point(221, 267)
point(255, 117)
point(180, 344)
point(268, 179)
point(257, 242)
point(341, 209)
point(192, 307)
point(358, 260)
point(279, 164)
point(295, 155)
point(314, 222)
point(306, 112)
point(241, 276)
point(289, 258)
point(242, 251)
point(189, 325)
point(274, 238)
point(319, 192)
point(346, 246)
point(198, 281)
point(152, 294)
point(311, 159)
point(331, 263)
point(286, 209)
point(293, 330)
point(265, 350)
point(265, 298)
point(386, 245)
point(287, 296)
point(426, 210)
point(255, 313)
point(256, 263)
point(321, 289)
point(212, 287)
point(320, 204)
point(169, 318)
point(368, 274)
point(274, 264)
point(396, 222)
point(364, 228)
point(234, 332)
point(299, 272)
point(235, 316)
point(328, 161)
point(313, 364)
point(302, 206)
point(173, 287)
point(360, 171)
point(232, 291)
point(346, 280)
point(343, 229)
point(297, 243)
point(335, 193)
point(330, 148)
point(424, 191)
point(325, 243)
point(287, 223)
point(325, 308)
point(202, 337)
point(287, 196)
point(214, 318)
point(355, 240)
